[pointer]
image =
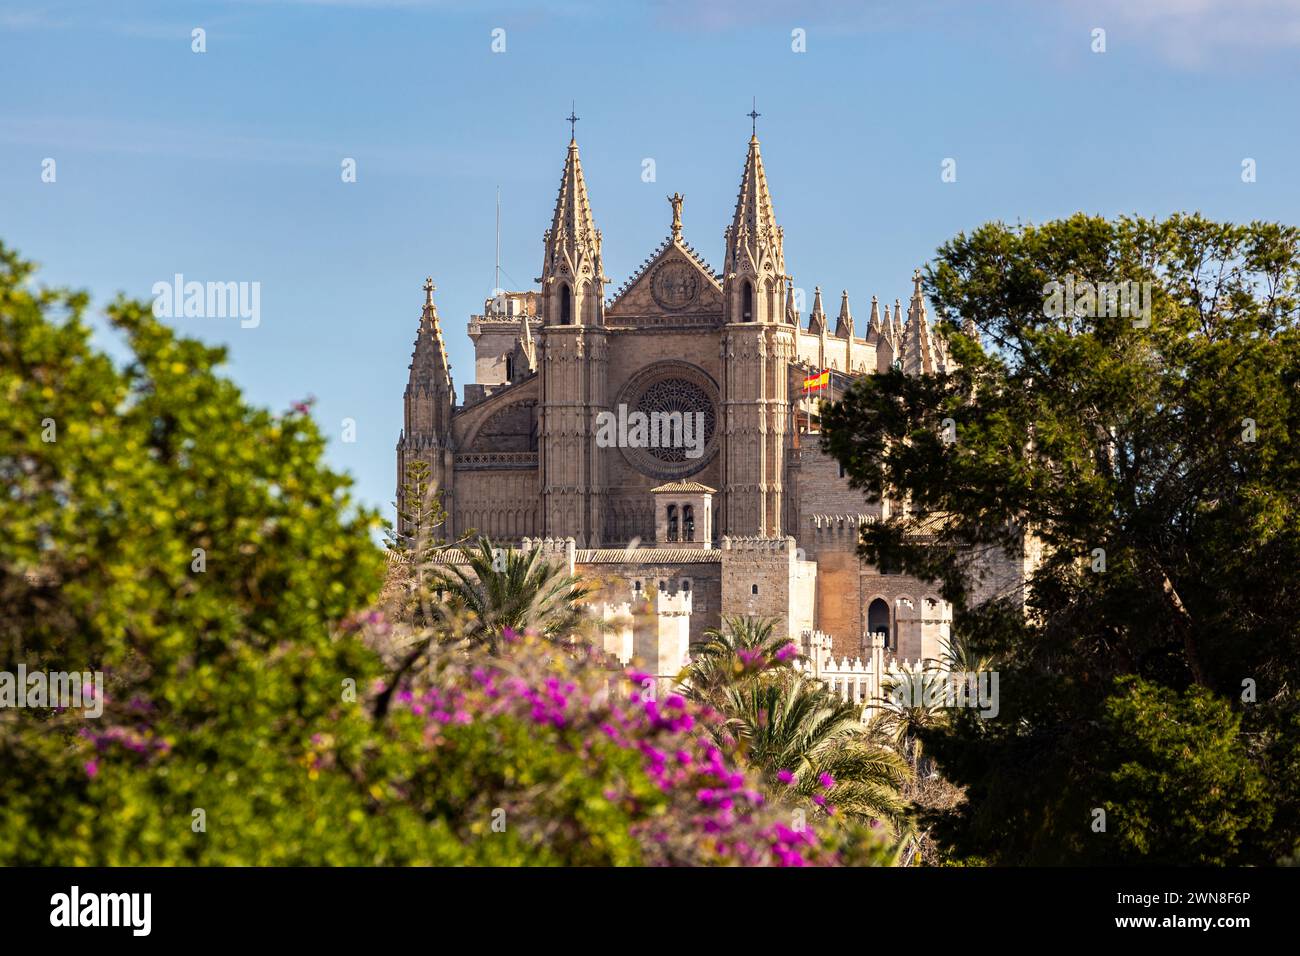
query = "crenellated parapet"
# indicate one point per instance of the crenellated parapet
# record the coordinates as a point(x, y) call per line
point(565, 549)
point(757, 544)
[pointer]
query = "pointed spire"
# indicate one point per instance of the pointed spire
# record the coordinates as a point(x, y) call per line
point(429, 360)
point(817, 320)
point(573, 275)
point(754, 241)
point(896, 325)
point(573, 232)
point(430, 393)
point(791, 313)
point(844, 324)
point(919, 353)
point(873, 324)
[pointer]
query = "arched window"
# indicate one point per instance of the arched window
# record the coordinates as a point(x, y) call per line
point(566, 305)
point(878, 619)
point(688, 523)
point(672, 522)
point(746, 302)
point(510, 368)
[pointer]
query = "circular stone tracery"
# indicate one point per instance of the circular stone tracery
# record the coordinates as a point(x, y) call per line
point(670, 395)
point(669, 387)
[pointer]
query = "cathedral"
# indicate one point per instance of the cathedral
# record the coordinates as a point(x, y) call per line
point(718, 499)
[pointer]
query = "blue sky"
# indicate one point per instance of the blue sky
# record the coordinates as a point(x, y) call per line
point(225, 165)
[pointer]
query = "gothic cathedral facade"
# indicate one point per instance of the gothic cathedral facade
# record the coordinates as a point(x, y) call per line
point(749, 515)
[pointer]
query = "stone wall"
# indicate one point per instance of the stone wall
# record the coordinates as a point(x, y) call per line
point(616, 582)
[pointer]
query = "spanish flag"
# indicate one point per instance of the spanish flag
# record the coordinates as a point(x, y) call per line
point(817, 381)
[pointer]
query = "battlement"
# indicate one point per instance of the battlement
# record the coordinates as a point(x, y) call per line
point(566, 549)
point(756, 544)
point(564, 546)
point(823, 523)
point(672, 602)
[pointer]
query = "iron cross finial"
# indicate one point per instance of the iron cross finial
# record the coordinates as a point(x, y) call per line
point(753, 115)
point(573, 121)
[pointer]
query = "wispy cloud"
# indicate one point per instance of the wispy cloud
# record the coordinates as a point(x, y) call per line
point(1185, 33)
point(1196, 33)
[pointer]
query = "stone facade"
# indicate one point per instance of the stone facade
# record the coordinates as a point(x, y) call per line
point(545, 445)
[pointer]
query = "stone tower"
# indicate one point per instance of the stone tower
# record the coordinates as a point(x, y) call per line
point(573, 357)
point(757, 345)
point(427, 409)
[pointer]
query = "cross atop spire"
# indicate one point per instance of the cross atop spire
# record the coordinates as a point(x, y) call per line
point(753, 115)
point(754, 239)
point(428, 290)
point(573, 121)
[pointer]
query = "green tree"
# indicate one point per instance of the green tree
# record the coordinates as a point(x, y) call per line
point(1187, 744)
point(419, 512)
point(193, 548)
point(1154, 458)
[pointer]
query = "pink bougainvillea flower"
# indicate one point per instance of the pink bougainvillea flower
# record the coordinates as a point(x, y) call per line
point(826, 780)
point(785, 776)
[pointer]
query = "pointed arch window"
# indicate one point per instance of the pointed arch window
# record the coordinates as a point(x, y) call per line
point(878, 619)
point(566, 304)
point(510, 368)
point(747, 302)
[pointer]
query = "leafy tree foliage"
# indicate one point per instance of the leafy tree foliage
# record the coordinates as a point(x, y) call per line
point(1153, 456)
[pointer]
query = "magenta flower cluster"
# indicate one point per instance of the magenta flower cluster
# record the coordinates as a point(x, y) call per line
point(715, 803)
point(138, 739)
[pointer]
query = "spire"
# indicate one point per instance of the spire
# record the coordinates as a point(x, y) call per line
point(430, 394)
point(896, 325)
point(873, 324)
point(919, 353)
point(844, 324)
point(754, 240)
point(526, 333)
point(429, 363)
point(572, 256)
point(791, 314)
point(525, 351)
point(817, 320)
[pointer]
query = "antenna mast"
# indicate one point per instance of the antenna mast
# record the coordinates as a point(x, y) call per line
point(497, 287)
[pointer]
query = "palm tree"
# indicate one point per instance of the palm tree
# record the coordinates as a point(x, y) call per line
point(741, 646)
point(788, 722)
point(493, 589)
point(776, 719)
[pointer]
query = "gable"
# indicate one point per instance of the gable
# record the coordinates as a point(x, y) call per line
point(675, 287)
